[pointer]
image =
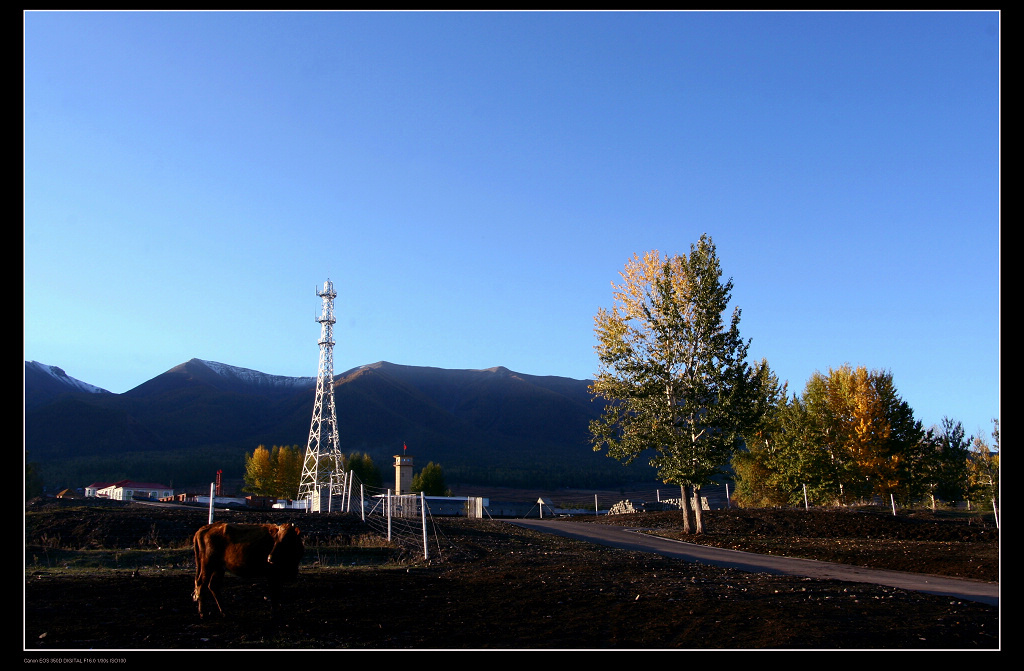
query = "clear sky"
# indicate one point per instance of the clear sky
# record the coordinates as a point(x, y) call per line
point(473, 183)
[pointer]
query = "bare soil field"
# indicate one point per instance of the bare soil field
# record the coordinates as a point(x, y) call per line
point(119, 579)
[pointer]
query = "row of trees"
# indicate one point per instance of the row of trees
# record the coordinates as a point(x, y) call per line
point(277, 472)
point(677, 387)
point(850, 437)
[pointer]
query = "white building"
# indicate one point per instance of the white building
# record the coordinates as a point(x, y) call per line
point(128, 490)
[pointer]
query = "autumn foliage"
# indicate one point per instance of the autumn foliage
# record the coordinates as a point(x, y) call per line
point(850, 438)
point(274, 472)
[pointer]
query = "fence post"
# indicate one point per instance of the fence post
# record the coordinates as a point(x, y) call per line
point(423, 516)
point(212, 485)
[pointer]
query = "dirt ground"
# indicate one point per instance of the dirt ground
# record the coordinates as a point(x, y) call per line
point(491, 585)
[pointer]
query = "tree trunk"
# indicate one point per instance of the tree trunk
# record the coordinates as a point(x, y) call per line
point(685, 502)
point(698, 510)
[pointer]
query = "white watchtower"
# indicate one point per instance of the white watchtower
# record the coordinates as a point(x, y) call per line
point(403, 474)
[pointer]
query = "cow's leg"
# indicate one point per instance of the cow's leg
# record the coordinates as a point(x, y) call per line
point(208, 582)
point(200, 597)
point(214, 584)
point(197, 595)
point(202, 590)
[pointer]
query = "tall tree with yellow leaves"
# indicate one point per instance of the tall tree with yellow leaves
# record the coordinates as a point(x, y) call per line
point(259, 472)
point(274, 472)
point(865, 431)
point(287, 471)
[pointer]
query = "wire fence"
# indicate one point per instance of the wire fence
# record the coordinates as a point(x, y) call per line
point(400, 519)
point(602, 502)
point(373, 502)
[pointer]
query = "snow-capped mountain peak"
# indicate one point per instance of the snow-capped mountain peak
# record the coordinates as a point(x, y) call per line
point(256, 378)
point(59, 376)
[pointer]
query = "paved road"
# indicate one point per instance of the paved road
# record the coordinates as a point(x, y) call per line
point(629, 539)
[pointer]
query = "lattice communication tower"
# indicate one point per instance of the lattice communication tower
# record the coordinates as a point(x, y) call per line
point(322, 467)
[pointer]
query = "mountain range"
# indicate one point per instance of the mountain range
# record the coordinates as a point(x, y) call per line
point(487, 427)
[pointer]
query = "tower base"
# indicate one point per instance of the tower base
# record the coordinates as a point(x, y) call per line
point(321, 501)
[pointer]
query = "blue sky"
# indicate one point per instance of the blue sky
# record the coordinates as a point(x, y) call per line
point(472, 183)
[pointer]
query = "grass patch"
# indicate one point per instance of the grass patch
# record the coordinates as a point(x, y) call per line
point(61, 560)
point(328, 557)
point(93, 560)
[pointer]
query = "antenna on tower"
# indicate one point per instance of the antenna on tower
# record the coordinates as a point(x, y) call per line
point(323, 466)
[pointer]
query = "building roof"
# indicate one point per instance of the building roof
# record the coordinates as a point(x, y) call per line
point(130, 484)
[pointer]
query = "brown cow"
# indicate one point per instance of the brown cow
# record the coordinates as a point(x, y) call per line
point(250, 551)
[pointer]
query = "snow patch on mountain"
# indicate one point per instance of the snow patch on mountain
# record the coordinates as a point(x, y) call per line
point(256, 378)
point(63, 378)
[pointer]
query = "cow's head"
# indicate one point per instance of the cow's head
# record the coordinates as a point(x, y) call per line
point(287, 550)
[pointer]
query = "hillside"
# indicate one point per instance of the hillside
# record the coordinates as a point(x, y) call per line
point(44, 383)
point(493, 426)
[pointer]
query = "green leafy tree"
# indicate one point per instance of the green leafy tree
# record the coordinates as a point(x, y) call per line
point(983, 468)
point(33, 481)
point(364, 468)
point(925, 470)
point(902, 444)
point(672, 372)
point(951, 450)
point(762, 467)
point(766, 406)
point(430, 481)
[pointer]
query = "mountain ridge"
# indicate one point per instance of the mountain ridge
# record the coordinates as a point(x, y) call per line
point(487, 426)
point(46, 382)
